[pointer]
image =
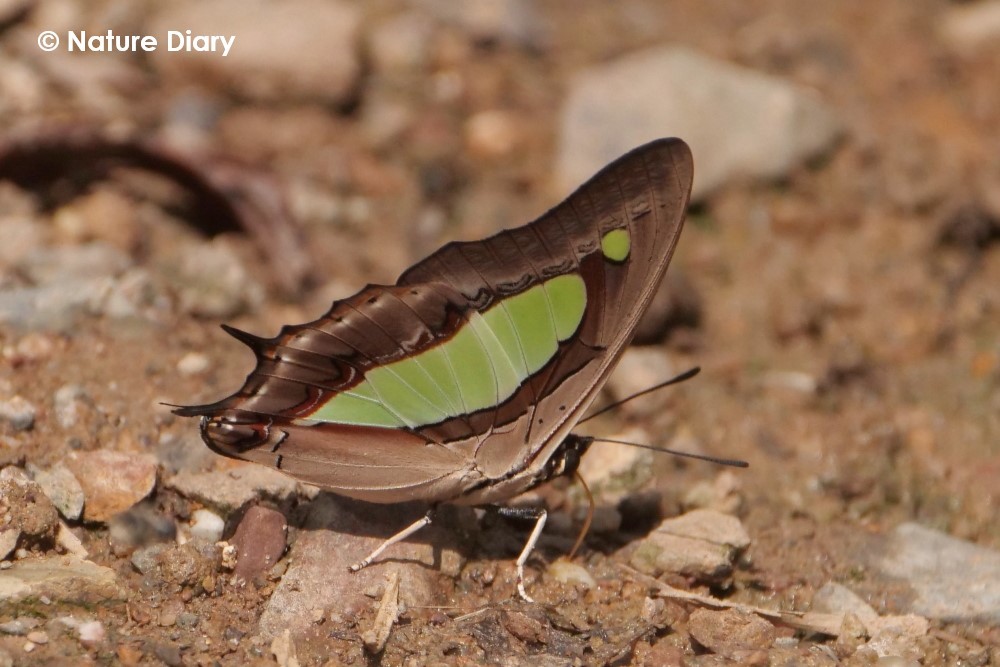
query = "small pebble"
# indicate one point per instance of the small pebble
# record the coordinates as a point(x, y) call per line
point(187, 620)
point(33, 347)
point(62, 488)
point(129, 655)
point(69, 402)
point(613, 471)
point(17, 413)
point(193, 363)
point(8, 541)
point(568, 572)
point(234, 488)
point(702, 544)
point(112, 481)
point(493, 133)
point(91, 632)
point(20, 626)
point(38, 637)
point(730, 631)
point(207, 525)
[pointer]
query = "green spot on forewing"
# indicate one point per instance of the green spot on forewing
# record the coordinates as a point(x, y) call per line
point(616, 245)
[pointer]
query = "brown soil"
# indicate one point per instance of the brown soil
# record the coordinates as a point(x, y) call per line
point(839, 274)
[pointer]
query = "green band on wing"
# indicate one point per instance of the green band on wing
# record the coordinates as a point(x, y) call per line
point(482, 365)
point(616, 245)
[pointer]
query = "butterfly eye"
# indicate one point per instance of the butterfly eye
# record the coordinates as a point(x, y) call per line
point(226, 435)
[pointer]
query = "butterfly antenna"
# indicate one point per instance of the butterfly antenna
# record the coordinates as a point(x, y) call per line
point(732, 463)
point(686, 375)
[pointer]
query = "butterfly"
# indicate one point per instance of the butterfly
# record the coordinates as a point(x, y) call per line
point(461, 382)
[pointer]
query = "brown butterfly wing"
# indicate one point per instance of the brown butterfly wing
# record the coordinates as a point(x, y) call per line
point(493, 452)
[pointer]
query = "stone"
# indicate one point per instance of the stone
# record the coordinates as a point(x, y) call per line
point(259, 540)
point(494, 133)
point(739, 123)
point(61, 579)
point(952, 580)
point(8, 541)
point(53, 307)
point(193, 363)
point(323, 66)
point(225, 291)
point(134, 294)
point(969, 26)
point(235, 488)
point(69, 403)
point(179, 564)
point(56, 265)
point(708, 525)
point(184, 451)
point(568, 572)
point(834, 598)
point(897, 637)
point(730, 632)
point(20, 626)
point(68, 541)
point(91, 633)
point(62, 488)
point(613, 471)
point(206, 525)
point(112, 481)
point(659, 553)
point(723, 494)
point(702, 544)
point(339, 532)
point(25, 508)
point(17, 414)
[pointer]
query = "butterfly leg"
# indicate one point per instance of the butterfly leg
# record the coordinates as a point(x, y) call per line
point(425, 520)
point(538, 515)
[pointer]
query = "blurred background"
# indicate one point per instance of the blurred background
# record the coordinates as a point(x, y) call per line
point(837, 280)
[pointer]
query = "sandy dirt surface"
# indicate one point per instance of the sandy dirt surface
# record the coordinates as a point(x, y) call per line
point(849, 329)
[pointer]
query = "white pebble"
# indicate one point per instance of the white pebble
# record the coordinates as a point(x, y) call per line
point(91, 632)
point(192, 363)
point(569, 572)
point(206, 525)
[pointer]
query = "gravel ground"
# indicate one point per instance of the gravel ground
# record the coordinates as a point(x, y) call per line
point(836, 282)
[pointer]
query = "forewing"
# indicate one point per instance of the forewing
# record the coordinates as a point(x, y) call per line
point(644, 195)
